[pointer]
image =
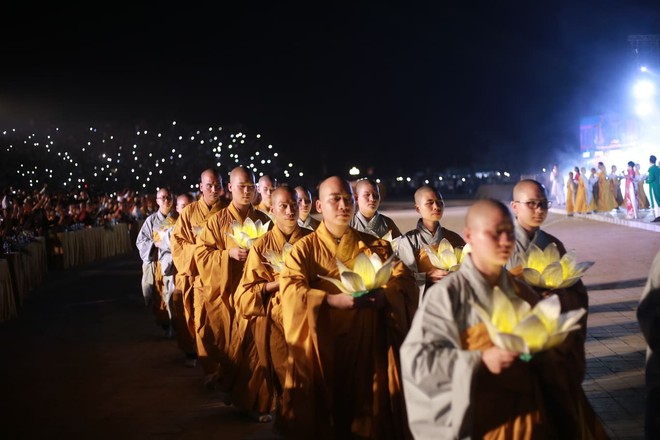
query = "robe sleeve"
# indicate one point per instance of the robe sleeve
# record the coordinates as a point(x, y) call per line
point(183, 245)
point(251, 298)
point(407, 253)
point(145, 241)
point(402, 296)
point(396, 232)
point(212, 259)
point(437, 373)
point(300, 302)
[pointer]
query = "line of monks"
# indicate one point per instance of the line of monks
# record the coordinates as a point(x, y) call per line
point(284, 342)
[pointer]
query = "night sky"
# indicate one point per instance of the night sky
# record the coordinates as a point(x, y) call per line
point(399, 88)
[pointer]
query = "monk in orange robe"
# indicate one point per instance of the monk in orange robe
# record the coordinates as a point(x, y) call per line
point(189, 307)
point(258, 322)
point(220, 260)
point(343, 376)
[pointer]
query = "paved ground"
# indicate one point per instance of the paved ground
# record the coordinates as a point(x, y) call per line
point(85, 360)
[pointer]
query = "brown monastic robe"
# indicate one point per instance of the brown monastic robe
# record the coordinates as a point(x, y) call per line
point(343, 377)
point(218, 279)
point(262, 355)
point(190, 222)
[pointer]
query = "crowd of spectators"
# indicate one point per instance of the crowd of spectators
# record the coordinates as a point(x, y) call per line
point(26, 214)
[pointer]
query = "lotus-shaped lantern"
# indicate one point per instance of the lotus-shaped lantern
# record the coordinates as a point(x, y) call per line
point(545, 269)
point(162, 229)
point(244, 234)
point(394, 242)
point(447, 257)
point(276, 259)
point(515, 326)
point(368, 273)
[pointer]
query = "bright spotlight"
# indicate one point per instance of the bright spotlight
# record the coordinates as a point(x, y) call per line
point(354, 171)
point(643, 69)
point(644, 108)
point(644, 89)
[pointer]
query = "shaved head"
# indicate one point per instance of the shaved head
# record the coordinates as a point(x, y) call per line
point(265, 188)
point(264, 180)
point(422, 191)
point(210, 174)
point(241, 186)
point(524, 186)
point(284, 209)
point(527, 194)
point(336, 204)
point(210, 184)
point(489, 231)
point(483, 210)
point(365, 183)
point(284, 191)
point(367, 195)
point(334, 184)
point(304, 202)
point(240, 173)
point(182, 201)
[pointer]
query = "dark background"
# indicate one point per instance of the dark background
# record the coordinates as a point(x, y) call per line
point(396, 87)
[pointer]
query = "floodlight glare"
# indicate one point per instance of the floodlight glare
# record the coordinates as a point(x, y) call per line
point(644, 108)
point(644, 89)
point(643, 69)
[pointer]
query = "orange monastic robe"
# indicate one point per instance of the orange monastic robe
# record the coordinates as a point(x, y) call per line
point(343, 378)
point(606, 200)
point(263, 208)
point(188, 306)
point(570, 196)
point(580, 205)
point(218, 279)
point(258, 324)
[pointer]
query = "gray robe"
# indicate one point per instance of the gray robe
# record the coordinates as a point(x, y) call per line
point(437, 373)
point(149, 253)
point(378, 225)
point(310, 223)
point(412, 242)
point(540, 239)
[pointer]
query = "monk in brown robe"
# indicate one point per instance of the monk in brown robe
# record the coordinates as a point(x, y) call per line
point(220, 260)
point(343, 373)
point(258, 321)
point(265, 188)
point(183, 243)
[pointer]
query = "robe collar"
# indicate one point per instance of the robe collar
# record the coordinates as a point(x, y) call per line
point(342, 249)
point(237, 216)
point(368, 224)
point(280, 238)
point(307, 224)
point(482, 290)
point(429, 237)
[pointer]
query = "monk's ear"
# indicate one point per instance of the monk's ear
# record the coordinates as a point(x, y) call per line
point(417, 208)
point(466, 235)
point(514, 208)
point(318, 207)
